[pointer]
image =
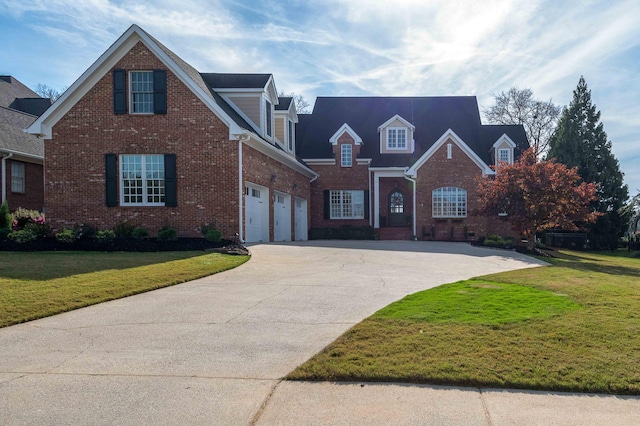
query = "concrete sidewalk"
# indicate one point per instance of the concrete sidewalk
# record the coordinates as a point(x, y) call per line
point(213, 351)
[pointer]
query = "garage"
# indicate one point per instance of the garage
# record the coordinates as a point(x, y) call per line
point(256, 213)
point(300, 219)
point(281, 217)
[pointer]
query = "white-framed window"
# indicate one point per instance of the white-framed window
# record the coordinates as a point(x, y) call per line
point(347, 204)
point(449, 202)
point(141, 92)
point(291, 135)
point(17, 177)
point(267, 114)
point(504, 155)
point(396, 138)
point(142, 180)
point(345, 155)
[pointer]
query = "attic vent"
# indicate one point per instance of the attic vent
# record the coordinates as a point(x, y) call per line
point(449, 152)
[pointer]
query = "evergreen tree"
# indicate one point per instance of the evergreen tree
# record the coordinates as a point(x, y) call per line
point(580, 141)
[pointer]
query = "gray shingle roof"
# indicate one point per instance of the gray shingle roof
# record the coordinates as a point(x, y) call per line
point(431, 116)
point(19, 108)
point(236, 81)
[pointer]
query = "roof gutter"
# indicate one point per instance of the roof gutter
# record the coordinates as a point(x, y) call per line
point(4, 173)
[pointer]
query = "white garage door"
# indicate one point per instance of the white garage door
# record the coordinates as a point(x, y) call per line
point(282, 217)
point(256, 213)
point(301, 230)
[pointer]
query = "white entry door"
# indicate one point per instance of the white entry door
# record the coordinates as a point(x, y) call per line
point(281, 217)
point(256, 213)
point(300, 225)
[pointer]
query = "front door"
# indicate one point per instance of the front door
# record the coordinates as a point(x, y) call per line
point(396, 209)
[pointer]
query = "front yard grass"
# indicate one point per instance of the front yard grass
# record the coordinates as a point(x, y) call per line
point(36, 285)
point(573, 326)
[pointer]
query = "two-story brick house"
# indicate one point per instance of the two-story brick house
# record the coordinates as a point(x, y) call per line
point(405, 165)
point(143, 137)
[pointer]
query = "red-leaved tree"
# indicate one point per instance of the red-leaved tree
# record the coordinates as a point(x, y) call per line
point(537, 196)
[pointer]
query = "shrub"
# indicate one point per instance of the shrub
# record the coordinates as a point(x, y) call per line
point(67, 236)
point(497, 241)
point(342, 233)
point(23, 236)
point(85, 231)
point(105, 236)
point(5, 216)
point(4, 232)
point(167, 234)
point(213, 236)
point(139, 233)
point(124, 230)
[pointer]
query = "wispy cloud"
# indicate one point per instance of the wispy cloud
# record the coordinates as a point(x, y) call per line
point(365, 47)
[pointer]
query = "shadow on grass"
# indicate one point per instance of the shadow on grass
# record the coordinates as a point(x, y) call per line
point(52, 265)
point(587, 263)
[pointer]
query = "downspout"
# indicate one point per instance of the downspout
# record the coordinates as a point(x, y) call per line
point(240, 192)
point(414, 204)
point(241, 138)
point(5, 157)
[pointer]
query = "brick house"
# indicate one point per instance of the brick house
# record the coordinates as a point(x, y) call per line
point(21, 154)
point(405, 165)
point(142, 137)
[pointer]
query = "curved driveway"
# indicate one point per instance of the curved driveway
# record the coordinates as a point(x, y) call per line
point(212, 351)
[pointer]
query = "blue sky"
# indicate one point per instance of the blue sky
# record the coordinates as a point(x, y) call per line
point(360, 47)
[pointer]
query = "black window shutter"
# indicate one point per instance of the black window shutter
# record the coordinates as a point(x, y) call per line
point(159, 91)
point(327, 204)
point(366, 204)
point(119, 92)
point(111, 179)
point(170, 181)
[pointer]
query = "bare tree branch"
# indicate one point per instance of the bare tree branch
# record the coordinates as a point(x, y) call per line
point(518, 106)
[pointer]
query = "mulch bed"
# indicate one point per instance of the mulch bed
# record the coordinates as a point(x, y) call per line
point(126, 244)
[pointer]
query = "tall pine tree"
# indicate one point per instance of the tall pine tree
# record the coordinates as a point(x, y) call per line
point(580, 141)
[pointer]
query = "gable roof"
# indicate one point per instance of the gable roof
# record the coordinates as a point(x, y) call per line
point(431, 116)
point(284, 102)
point(186, 73)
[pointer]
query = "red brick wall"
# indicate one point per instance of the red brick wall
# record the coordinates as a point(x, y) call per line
point(207, 162)
point(459, 171)
point(258, 168)
point(337, 177)
point(33, 197)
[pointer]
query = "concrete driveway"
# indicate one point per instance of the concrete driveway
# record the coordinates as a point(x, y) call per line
point(212, 351)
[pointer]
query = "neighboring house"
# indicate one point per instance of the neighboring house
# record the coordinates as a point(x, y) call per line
point(142, 137)
point(405, 165)
point(21, 154)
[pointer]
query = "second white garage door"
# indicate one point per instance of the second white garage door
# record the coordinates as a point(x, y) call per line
point(281, 217)
point(256, 213)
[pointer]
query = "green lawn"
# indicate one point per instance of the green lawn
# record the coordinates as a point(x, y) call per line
point(36, 285)
point(573, 326)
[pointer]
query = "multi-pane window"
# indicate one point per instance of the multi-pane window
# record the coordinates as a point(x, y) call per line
point(17, 177)
point(504, 155)
point(345, 150)
point(347, 204)
point(267, 107)
point(142, 92)
point(291, 135)
point(142, 180)
point(396, 138)
point(449, 202)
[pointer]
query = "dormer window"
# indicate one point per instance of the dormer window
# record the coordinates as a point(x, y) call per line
point(396, 138)
point(267, 107)
point(504, 155)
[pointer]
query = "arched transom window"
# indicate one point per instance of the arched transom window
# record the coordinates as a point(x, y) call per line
point(449, 201)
